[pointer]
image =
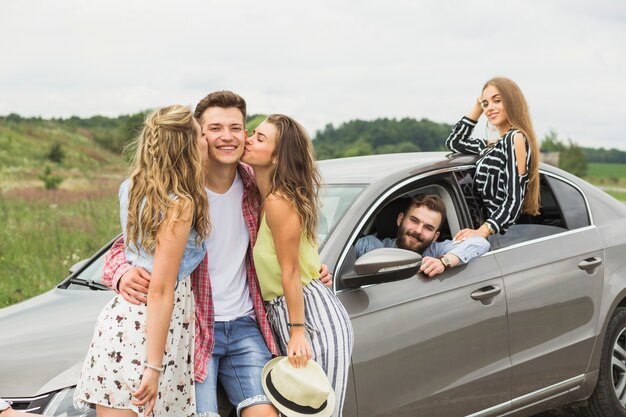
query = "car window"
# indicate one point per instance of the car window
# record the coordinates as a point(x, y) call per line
point(383, 223)
point(572, 204)
point(335, 199)
point(563, 208)
point(475, 207)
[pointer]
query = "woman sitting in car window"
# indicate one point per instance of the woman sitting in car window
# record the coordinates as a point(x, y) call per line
point(507, 173)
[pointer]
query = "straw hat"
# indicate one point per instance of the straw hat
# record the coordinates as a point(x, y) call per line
point(298, 392)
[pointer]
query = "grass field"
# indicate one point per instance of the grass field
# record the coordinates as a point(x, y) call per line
point(44, 232)
point(606, 174)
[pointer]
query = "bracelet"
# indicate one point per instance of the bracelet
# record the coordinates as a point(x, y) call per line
point(490, 229)
point(296, 324)
point(154, 368)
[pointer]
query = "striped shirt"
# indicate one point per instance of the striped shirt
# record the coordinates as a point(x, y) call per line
point(115, 266)
point(497, 178)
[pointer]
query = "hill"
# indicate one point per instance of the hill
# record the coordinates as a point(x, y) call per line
point(71, 148)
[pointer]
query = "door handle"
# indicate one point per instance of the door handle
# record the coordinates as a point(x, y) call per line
point(486, 292)
point(590, 264)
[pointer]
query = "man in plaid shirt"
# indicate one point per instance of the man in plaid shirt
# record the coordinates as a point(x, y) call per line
point(233, 338)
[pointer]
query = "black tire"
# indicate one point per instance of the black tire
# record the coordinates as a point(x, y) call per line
point(611, 386)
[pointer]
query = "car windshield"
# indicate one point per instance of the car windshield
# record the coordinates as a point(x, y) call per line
point(335, 199)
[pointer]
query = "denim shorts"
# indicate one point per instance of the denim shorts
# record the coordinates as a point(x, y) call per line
point(237, 361)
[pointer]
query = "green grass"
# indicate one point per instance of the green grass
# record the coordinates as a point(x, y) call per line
point(606, 174)
point(45, 232)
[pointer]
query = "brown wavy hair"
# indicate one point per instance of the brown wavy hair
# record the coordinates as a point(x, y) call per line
point(166, 173)
point(519, 117)
point(224, 99)
point(295, 175)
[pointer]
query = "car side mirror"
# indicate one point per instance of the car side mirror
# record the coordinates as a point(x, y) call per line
point(383, 265)
point(77, 266)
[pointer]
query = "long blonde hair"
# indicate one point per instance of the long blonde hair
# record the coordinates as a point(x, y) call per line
point(166, 167)
point(295, 175)
point(519, 117)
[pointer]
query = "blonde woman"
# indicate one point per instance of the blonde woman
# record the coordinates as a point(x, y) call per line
point(140, 357)
point(507, 172)
point(307, 318)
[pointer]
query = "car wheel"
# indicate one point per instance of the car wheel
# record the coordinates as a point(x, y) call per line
point(609, 396)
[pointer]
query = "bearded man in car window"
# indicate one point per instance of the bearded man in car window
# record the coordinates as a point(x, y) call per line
point(418, 230)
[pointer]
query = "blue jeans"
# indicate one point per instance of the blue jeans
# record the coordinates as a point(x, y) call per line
point(237, 361)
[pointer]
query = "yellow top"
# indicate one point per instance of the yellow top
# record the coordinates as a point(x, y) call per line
point(268, 269)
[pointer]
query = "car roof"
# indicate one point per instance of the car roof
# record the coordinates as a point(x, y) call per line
point(372, 168)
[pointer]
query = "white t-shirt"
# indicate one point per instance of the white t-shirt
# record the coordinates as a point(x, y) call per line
point(227, 246)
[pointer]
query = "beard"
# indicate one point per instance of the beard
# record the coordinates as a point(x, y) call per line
point(407, 240)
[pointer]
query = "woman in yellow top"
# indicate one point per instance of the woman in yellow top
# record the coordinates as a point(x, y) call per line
point(307, 318)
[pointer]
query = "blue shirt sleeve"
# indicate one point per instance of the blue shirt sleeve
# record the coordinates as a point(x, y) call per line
point(371, 242)
point(470, 248)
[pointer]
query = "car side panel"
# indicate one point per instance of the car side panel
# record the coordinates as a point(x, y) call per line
point(553, 306)
point(425, 347)
point(614, 290)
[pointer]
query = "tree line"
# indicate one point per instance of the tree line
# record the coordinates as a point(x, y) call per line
point(352, 138)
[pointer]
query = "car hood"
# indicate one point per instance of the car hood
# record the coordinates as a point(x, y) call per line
point(44, 340)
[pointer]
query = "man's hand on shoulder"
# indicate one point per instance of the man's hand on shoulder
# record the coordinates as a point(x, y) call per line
point(325, 276)
point(133, 285)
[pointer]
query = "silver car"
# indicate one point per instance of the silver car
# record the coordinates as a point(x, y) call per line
point(536, 323)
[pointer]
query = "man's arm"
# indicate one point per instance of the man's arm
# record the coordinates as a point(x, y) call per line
point(456, 253)
point(134, 285)
point(115, 265)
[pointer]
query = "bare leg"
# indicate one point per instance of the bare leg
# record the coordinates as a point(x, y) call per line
point(102, 411)
point(259, 410)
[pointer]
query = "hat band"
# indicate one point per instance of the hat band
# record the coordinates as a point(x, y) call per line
point(302, 409)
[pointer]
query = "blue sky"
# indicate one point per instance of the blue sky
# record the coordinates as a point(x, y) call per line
point(323, 61)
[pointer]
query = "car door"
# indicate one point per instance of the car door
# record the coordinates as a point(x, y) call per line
point(553, 274)
point(431, 347)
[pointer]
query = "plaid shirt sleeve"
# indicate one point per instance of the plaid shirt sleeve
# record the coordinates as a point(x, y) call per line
point(115, 265)
point(205, 319)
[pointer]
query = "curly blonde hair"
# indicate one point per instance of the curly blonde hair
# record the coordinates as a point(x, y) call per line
point(166, 168)
point(295, 175)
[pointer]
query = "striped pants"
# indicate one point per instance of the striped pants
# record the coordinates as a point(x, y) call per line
point(329, 330)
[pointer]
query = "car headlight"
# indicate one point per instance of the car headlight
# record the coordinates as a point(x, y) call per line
point(62, 405)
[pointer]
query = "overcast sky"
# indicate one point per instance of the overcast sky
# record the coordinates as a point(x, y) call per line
point(320, 61)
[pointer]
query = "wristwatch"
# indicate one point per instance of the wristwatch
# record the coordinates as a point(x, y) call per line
point(446, 262)
point(4, 405)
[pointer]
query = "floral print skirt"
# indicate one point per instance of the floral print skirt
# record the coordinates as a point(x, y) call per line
point(114, 364)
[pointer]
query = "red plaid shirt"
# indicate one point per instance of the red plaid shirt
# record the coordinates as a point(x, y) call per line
point(115, 266)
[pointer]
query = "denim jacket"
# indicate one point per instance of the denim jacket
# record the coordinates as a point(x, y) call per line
point(137, 257)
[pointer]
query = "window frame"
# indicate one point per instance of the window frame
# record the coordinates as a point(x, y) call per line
point(440, 177)
point(496, 240)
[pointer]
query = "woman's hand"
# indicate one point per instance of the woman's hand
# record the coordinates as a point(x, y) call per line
point(463, 234)
point(298, 349)
point(147, 392)
point(476, 110)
